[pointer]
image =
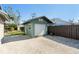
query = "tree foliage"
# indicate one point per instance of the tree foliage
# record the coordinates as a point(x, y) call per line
point(10, 27)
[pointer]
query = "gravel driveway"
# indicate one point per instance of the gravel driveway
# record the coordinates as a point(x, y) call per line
point(14, 38)
point(37, 45)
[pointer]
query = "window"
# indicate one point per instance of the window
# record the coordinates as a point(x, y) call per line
point(40, 19)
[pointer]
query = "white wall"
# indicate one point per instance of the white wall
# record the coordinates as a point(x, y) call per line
point(1, 30)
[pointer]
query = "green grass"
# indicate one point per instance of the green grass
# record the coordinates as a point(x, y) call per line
point(15, 33)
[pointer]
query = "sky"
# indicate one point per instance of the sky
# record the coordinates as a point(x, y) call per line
point(63, 11)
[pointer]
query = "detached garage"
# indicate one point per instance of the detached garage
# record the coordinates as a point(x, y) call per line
point(37, 26)
point(3, 17)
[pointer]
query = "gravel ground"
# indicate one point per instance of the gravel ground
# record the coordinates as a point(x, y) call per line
point(38, 45)
point(66, 41)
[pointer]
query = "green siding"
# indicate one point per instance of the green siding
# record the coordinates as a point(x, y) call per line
point(39, 22)
point(29, 29)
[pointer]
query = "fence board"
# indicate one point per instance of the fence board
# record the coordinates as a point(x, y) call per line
point(70, 31)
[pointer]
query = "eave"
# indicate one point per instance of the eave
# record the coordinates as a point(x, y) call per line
point(4, 15)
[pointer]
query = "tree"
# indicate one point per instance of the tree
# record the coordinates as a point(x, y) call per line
point(10, 27)
point(33, 15)
point(0, 7)
point(14, 16)
point(17, 21)
point(71, 21)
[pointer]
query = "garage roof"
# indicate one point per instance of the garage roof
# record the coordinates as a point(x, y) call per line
point(43, 17)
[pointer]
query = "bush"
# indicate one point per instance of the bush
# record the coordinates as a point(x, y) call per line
point(10, 27)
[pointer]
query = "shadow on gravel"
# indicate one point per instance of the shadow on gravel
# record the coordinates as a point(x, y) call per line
point(66, 41)
point(7, 39)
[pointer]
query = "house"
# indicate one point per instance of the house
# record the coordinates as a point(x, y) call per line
point(37, 26)
point(59, 22)
point(3, 17)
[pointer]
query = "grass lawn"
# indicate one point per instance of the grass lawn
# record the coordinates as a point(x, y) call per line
point(15, 33)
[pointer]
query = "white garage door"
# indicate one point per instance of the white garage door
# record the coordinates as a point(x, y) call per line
point(40, 29)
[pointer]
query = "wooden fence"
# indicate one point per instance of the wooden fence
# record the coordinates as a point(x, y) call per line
point(70, 31)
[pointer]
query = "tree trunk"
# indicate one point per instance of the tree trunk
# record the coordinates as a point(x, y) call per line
point(18, 28)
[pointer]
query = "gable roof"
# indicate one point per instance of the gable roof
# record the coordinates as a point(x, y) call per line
point(43, 17)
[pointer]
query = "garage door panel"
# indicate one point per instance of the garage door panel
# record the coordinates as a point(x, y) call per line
point(40, 29)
